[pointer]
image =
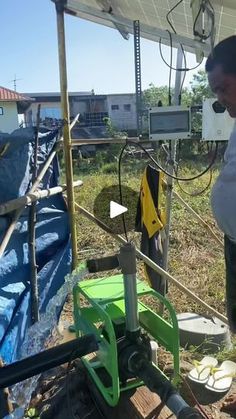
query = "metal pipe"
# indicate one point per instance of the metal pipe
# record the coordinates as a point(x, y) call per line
point(105, 140)
point(172, 156)
point(127, 259)
point(66, 127)
point(53, 357)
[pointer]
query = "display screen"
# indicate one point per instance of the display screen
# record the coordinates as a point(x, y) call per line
point(169, 122)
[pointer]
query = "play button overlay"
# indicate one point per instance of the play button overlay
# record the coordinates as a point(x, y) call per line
point(116, 209)
point(108, 208)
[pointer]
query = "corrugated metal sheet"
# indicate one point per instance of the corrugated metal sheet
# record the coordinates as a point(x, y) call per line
point(7, 95)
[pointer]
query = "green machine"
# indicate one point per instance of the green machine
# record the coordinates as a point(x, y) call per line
point(115, 310)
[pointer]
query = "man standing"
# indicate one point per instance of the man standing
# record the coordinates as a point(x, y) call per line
point(221, 69)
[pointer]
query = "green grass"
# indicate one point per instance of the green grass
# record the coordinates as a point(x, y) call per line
point(195, 258)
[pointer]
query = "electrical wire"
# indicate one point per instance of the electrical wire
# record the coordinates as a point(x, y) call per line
point(182, 48)
point(170, 11)
point(196, 193)
point(185, 69)
point(202, 191)
point(204, 413)
point(202, 8)
point(180, 179)
point(184, 76)
point(171, 48)
point(120, 189)
point(175, 68)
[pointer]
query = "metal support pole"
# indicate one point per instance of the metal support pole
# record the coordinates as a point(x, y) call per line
point(127, 259)
point(178, 80)
point(66, 127)
point(138, 84)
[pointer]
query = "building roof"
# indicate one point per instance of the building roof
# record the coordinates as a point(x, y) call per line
point(8, 95)
point(58, 94)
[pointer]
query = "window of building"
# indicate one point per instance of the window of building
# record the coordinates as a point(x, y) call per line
point(1, 110)
point(127, 108)
point(114, 107)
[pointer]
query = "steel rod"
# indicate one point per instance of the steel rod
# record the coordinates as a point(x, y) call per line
point(127, 259)
point(170, 168)
point(198, 218)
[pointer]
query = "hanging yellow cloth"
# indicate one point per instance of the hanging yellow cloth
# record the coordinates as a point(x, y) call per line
point(152, 216)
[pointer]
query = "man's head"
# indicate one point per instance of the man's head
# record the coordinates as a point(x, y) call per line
point(221, 69)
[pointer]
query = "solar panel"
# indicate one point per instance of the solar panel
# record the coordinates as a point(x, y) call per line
point(152, 17)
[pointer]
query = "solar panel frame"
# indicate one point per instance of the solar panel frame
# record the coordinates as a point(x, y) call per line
point(152, 17)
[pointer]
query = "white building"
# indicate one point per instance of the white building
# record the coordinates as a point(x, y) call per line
point(122, 111)
point(50, 105)
point(93, 109)
point(11, 104)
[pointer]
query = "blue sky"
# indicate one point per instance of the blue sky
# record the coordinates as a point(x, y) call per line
point(97, 57)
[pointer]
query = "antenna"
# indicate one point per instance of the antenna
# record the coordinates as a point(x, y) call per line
point(14, 81)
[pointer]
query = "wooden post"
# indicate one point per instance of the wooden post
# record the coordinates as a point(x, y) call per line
point(66, 127)
point(25, 200)
point(32, 235)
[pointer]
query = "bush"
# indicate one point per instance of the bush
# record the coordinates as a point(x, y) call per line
point(109, 168)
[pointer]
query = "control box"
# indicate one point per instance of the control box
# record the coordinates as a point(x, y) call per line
point(217, 124)
point(169, 123)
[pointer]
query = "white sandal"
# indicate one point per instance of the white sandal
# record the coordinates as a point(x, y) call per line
point(201, 372)
point(221, 378)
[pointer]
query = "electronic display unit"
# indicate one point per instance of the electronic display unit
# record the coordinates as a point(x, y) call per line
point(169, 123)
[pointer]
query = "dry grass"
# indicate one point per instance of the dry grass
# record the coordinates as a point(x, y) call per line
point(195, 258)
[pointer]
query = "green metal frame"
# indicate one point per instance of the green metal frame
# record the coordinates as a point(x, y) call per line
point(103, 303)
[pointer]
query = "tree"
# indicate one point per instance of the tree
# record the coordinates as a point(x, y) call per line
point(200, 88)
point(154, 94)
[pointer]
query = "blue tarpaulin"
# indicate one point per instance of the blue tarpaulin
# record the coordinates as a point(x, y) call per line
point(53, 251)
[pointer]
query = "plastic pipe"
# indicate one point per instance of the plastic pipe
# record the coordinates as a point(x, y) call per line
point(53, 357)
